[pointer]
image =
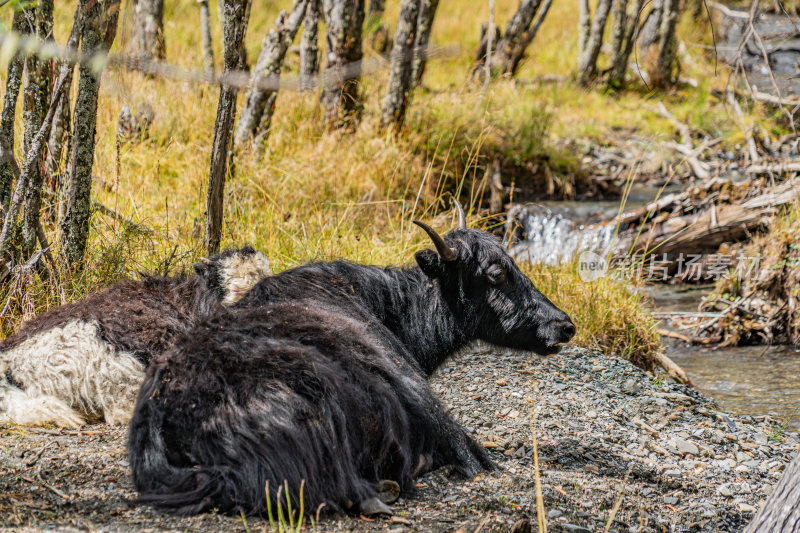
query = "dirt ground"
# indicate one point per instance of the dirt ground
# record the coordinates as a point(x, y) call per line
point(606, 431)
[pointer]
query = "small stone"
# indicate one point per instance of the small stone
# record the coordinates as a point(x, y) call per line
point(670, 500)
point(686, 447)
point(742, 457)
point(575, 528)
point(513, 414)
point(591, 414)
point(502, 382)
point(672, 473)
point(751, 464)
point(631, 386)
point(746, 508)
point(725, 490)
point(554, 513)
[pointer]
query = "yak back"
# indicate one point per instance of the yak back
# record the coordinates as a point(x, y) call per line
point(288, 392)
point(141, 317)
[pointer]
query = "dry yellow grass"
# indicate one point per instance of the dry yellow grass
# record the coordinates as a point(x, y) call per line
point(314, 194)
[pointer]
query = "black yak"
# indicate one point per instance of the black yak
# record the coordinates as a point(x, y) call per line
point(318, 376)
point(85, 361)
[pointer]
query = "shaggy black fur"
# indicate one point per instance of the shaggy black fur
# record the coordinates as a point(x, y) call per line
point(140, 317)
point(319, 375)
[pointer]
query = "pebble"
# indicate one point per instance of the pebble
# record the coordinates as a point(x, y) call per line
point(574, 528)
point(631, 386)
point(685, 446)
point(599, 420)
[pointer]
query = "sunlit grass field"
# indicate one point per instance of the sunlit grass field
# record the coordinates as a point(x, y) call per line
point(312, 194)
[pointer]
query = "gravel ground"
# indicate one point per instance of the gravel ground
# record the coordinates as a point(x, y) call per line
point(607, 433)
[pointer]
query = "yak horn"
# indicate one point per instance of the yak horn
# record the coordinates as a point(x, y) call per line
point(445, 252)
point(462, 220)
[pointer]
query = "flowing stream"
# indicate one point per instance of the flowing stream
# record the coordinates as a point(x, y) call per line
point(750, 380)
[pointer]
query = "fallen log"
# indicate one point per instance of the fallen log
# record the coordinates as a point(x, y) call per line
point(781, 512)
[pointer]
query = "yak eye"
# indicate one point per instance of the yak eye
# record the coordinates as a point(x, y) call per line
point(496, 274)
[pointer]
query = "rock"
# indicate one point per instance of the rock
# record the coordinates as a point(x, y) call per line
point(742, 457)
point(686, 447)
point(746, 508)
point(725, 490)
point(591, 414)
point(670, 500)
point(631, 386)
point(554, 513)
point(575, 528)
point(672, 473)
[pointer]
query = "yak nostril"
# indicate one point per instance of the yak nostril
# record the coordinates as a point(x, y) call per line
point(567, 331)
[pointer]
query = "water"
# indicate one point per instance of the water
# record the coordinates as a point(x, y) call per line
point(551, 238)
point(747, 380)
point(555, 232)
point(744, 380)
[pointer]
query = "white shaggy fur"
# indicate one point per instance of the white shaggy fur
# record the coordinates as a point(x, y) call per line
point(239, 274)
point(72, 376)
point(72, 369)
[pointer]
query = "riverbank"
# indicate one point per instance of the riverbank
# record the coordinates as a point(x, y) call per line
point(606, 432)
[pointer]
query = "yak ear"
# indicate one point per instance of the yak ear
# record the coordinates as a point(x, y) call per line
point(429, 262)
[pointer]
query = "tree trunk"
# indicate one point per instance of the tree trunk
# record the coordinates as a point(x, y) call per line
point(584, 26)
point(340, 96)
point(510, 44)
point(587, 63)
point(37, 101)
point(58, 134)
point(205, 30)
point(309, 46)
point(485, 41)
point(513, 65)
point(9, 170)
point(64, 79)
point(648, 35)
point(664, 74)
point(233, 28)
point(618, 33)
point(619, 62)
point(781, 512)
point(99, 30)
point(376, 8)
point(399, 87)
point(148, 29)
point(427, 11)
point(259, 105)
